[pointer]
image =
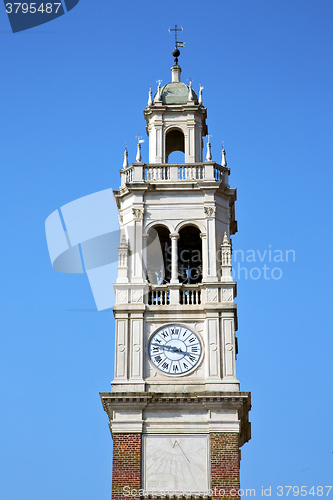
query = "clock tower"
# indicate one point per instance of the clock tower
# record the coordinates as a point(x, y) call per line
point(177, 415)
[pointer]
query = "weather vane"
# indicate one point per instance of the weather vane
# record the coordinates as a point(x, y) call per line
point(176, 51)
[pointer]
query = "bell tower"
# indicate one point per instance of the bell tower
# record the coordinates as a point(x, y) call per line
point(176, 121)
point(177, 415)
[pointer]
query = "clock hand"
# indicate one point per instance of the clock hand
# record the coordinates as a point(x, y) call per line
point(168, 347)
point(173, 349)
point(189, 353)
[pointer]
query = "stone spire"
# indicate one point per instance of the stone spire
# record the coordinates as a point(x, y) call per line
point(150, 98)
point(138, 152)
point(209, 153)
point(224, 160)
point(200, 93)
point(175, 73)
point(123, 261)
point(226, 259)
point(190, 93)
point(125, 162)
point(158, 97)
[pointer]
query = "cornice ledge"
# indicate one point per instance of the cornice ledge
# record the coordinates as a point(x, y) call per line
point(117, 400)
point(141, 399)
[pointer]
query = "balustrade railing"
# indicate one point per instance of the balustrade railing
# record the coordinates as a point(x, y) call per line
point(174, 172)
point(218, 174)
point(189, 296)
point(159, 297)
point(191, 172)
point(129, 175)
point(156, 173)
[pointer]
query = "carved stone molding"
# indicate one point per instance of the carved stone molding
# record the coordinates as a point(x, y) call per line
point(226, 295)
point(137, 296)
point(210, 211)
point(122, 296)
point(212, 295)
point(138, 212)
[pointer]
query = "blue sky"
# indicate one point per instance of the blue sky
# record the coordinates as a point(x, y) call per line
point(73, 92)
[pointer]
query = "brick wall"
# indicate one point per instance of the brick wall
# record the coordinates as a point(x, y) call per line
point(126, 465)
point(224, 461)
point(126, 468)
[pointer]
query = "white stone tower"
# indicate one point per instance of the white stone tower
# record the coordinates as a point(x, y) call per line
point(177, 415)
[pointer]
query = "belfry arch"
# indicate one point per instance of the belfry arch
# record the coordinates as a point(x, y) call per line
point(174, 141)
point(158, 255)
point(189, 255)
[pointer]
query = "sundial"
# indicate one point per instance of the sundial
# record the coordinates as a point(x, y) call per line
point(176, 463)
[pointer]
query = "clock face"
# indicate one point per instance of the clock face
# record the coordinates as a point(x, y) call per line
point(174, 349)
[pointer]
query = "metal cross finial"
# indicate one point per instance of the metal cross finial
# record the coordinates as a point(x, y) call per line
point(201, 86)
point(159, 82)
point(176, 30)
point(209, 137)
point(190, 81)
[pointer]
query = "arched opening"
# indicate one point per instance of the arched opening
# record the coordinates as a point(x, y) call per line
point(176, 157)
point(159, 255)
point(189, 256)
point(174, 141)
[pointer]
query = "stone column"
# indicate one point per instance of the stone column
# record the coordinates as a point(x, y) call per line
point(137, 254)
point(144, 254)
point(211, 243)
point(174, 258)
point(159, 158)
point(203, 237)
